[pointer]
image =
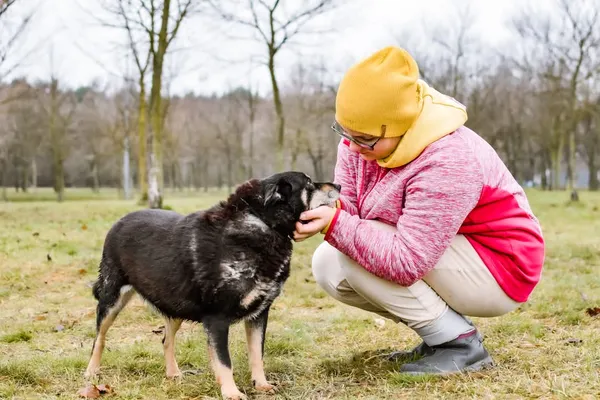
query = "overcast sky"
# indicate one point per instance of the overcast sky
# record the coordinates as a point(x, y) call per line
point(83, 51)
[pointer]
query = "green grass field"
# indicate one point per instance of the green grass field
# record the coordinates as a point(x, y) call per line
point(316, 348)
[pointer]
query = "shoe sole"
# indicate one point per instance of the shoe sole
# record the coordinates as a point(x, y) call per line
point(486, 363)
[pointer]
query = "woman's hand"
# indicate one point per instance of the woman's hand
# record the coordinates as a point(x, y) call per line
point(315, 221)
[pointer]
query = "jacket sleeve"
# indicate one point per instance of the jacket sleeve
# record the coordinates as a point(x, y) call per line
point(345, 175)
point(436, 202)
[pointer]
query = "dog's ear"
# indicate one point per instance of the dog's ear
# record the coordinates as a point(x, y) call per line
point(274, 192)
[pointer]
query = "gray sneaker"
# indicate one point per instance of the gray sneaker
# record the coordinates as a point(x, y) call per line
point(465, 353)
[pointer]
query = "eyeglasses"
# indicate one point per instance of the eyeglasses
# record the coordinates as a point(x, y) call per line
point(370, 144)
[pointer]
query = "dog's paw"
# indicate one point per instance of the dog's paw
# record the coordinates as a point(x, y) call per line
point(91, 372)
point(233, 395)
point(174, 374)
point(264, 386)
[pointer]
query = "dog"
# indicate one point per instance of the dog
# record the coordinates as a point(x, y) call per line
point(216, 267)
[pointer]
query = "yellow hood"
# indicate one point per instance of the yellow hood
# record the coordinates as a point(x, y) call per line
point(440, 115)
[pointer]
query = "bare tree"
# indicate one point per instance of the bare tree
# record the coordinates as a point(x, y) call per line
point(160, 40)
point(132, 20)
point(151, 27)
point(11, 33)
point(59, 108)
point(564, 50)
point(274, 26)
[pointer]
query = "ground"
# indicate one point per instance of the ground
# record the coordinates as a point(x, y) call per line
point(316, 348)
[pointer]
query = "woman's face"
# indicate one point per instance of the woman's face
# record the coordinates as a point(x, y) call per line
point(383, 148)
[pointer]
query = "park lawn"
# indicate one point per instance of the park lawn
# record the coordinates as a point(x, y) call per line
point(316, 348)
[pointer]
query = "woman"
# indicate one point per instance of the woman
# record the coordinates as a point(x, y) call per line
point(431, 226)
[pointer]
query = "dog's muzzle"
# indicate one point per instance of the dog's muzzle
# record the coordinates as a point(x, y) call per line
point(325, 195)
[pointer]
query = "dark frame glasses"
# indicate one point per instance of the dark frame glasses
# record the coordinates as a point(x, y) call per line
point(337, 128)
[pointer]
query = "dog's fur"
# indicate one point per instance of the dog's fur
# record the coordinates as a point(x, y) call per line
point(216, 267)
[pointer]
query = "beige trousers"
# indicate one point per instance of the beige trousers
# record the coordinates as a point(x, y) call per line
point(459, 285)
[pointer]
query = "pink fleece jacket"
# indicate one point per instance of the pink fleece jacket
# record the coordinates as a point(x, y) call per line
point(458, 185)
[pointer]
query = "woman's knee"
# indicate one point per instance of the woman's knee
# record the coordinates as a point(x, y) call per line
point(324, 264)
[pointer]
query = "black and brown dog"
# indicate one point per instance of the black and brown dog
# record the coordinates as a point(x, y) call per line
point(216, 267)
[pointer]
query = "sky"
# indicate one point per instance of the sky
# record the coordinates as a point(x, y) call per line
point(66, 37)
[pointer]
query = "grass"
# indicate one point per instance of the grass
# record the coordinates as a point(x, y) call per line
point(316, 347)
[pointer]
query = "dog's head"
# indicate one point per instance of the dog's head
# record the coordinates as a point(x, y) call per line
point(297, 190)
point(284, 196)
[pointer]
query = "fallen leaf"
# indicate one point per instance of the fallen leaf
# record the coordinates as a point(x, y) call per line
point(593, 311)
point(104, 388)
point(40, 317)
point(84, 227)
point(574, 341)
point(89, 392)
point(82, 271)
point(159, 330)
point(36, 234)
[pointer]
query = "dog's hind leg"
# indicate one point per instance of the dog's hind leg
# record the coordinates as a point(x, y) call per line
point(171, 328)
point(218, 352)
point(112, 297)
point(255, 337)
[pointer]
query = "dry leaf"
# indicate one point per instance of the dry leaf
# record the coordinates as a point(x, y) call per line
point(89, 392)
point(36, 234)
point(83, 227)
point(40, 317)
point(574, 341)
point(593, 311)
point(104, 388)
point(82, 271)
point(159, 330)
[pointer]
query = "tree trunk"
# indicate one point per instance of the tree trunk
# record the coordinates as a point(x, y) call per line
point(142, 143)
point(34, 174)
point(205, 173)
point(18, 174)
point(155, 94)
point(154, 195)
point(4, 177)
point(279, 111)
point(593, 183)
point(557, 154)
point(125, 170)
point(219, 177)
point(57, 145)
point(94, 175)
point(229, 171)
point(251, 106)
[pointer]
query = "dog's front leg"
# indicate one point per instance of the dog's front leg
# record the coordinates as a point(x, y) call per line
point(255, 336)
point(218, 351)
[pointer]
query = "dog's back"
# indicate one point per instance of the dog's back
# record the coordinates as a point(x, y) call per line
point(209, 262)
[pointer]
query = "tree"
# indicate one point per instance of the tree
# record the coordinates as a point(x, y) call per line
point(273, 26)
point(151, 27)
point(564, 49)
point(11, 33)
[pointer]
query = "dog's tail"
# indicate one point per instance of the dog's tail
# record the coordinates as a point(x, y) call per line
point(98, 286)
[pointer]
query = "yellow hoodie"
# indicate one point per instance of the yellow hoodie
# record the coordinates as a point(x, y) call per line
point(385, 90)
